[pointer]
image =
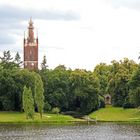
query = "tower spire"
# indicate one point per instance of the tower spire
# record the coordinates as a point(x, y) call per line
point(30, 31)
point(30, 21)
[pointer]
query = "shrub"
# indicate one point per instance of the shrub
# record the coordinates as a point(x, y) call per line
point(56, 110)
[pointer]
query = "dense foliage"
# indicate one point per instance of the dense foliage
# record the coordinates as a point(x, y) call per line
point(69, 90)
point(28, 103)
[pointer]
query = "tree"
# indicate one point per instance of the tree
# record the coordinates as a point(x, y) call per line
point(6, 56)
point(84, 91)
point(119, 78)
point(44, 63)
point(39, 94)
point(8, 90)
point(6, 60)
point(28, 103)
point(102, 72)
point(135, 97)
point(134, 88)
point(56, 87)
point(18, 59)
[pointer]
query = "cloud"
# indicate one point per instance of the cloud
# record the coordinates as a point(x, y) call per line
point(134, 4)
point(12, 17)
point(6, 39)
point(15, 14)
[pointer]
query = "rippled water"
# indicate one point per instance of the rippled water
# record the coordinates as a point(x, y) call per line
point(99, 131)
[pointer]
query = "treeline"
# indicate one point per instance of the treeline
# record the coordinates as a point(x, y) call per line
point(70, 90)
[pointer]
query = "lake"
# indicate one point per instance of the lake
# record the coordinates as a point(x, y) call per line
point(99, 131)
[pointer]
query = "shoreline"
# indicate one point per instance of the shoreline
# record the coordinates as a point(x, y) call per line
point(67, 122)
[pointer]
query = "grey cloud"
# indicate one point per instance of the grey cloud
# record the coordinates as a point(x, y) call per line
point(11, 17)
point(9, 24)
point(6, 38)
point(135, 4)
point(15, 14)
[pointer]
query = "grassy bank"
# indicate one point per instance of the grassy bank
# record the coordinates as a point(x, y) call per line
point(116, 114)
point(16, 117)
point(108, 114)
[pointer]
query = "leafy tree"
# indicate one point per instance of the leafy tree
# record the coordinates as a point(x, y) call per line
point(39, 96)
point(84, 89)
point(102, 72)
point(60, 68)
point(8, 90)
point(134, 88)
point(121, 73)
point(56, 87)
point(135, 97)
point(28, 103)
point(6, 60)
point(6, 56)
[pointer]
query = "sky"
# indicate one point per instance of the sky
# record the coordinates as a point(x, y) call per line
point(74, 33)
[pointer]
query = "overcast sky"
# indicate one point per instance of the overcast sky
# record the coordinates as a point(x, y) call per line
point(76, 33)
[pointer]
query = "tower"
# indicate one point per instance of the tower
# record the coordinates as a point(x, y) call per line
point(31, 49)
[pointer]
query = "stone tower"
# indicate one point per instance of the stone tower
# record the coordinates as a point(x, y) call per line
point(30, 49)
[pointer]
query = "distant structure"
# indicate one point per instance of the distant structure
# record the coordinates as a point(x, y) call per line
point(107, 99)
point(30, 49)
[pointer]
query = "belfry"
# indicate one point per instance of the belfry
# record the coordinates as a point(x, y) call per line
point(30, 49)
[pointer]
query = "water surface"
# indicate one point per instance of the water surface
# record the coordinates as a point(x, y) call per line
point(99, 131)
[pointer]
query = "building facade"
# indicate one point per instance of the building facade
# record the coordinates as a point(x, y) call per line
point(30, 49)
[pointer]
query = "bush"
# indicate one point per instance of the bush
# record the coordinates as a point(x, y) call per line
point(128, 105)
point(56, 110)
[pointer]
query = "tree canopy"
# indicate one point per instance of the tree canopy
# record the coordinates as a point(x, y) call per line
point(69, 90)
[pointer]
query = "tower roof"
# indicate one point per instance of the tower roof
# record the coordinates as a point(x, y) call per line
point(30, 24)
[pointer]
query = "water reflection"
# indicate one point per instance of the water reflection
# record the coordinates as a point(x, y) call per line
point(99, 131)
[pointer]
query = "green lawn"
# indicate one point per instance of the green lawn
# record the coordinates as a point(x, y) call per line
point(108, 114)
point(17, 117)
point(112, 114)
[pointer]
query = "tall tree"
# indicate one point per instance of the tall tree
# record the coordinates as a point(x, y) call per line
point(6, 60)
point(121, 73)
point(134, 91)
point(18, 59)
point(6, 56)
point(39, 94)
point(44, 63)
point(84, 89)
point(102, 72)
point(28, 103)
